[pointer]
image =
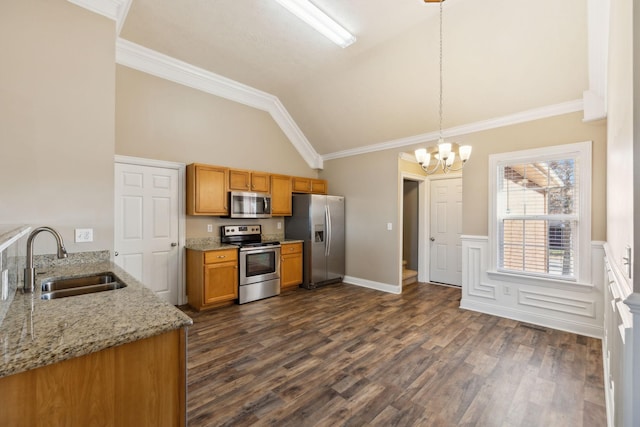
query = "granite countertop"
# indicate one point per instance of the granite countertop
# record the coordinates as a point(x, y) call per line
point(38, 332)
point(209, 246)
point(285, 241)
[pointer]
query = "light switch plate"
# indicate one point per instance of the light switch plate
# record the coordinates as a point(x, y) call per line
point(84, 235)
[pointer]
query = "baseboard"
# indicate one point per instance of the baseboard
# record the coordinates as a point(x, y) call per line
point(378, 286)
point(536, 319)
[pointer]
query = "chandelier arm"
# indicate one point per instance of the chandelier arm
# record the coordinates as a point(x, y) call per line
point(435, 167)
point(450, 169)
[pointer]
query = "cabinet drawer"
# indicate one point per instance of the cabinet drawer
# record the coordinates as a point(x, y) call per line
point(224, 255)
point(291, 248)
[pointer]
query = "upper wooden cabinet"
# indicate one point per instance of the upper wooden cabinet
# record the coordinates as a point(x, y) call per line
point(309, 185)
point(206, 190)
point(244, 180)
point(280, 195)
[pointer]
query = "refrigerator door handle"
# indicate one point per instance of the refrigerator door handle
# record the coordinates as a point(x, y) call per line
point(327, 216)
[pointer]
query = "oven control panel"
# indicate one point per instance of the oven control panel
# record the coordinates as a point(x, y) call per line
point(241, 230)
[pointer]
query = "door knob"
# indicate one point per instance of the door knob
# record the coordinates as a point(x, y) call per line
point(116, 253)
point(174, 244)
point(433, 239)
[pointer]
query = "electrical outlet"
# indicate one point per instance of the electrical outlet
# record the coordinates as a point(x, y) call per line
point(507, 290)
point(209, 228)
point(84, 235)
point(279, 225)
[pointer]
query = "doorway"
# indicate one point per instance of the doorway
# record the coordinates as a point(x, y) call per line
point(149, 224)
point(410, 232)
point(445, 246)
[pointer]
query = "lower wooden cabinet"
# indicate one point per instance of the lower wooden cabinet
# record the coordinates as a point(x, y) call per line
point(290, 265)
point(212, 277)
point(142, 383)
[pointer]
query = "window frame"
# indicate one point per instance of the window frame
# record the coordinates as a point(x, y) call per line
point(582, 152)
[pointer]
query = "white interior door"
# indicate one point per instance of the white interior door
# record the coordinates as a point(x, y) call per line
point(446, 229)
point(146, 226)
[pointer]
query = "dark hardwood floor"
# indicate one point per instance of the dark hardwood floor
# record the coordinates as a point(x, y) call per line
point(343, 355)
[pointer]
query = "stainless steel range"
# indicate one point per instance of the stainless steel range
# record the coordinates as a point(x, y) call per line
point(259, 269)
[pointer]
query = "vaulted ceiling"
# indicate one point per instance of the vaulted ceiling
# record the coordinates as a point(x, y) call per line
point(501, 57)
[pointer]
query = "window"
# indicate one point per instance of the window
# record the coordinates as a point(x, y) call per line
point(540, 225)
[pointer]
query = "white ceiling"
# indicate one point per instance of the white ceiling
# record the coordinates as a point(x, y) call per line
point(501, 57)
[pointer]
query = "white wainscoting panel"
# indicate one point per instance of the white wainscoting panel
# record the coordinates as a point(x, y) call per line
point(617, 349)
point(574, 308)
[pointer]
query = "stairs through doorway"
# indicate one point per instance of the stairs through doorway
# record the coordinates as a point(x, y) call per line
point(408, 276)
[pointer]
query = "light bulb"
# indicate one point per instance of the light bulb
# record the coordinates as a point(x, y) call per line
point(465, 152)
point(422, 156)
point(444, 149)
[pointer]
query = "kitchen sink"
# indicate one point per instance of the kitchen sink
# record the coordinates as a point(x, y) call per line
point(60, 288)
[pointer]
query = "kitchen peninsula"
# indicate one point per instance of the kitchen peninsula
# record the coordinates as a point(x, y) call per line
point(117, 357)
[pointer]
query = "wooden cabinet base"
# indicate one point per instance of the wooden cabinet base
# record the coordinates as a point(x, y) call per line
point(290, 266)
point(142, 383)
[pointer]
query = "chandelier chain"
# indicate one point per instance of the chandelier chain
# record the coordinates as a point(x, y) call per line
point(440, 110)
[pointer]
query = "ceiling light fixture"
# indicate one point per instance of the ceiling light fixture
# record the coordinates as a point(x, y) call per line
point(444, 153)
point(319, 20)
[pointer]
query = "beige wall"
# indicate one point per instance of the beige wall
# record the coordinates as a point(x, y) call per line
point(558, 130)
point(57, 87)
point(620, 223)
point(370, 184)
point(158, 119)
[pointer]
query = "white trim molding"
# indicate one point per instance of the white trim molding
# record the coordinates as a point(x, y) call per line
point(577, 310)
point(595, 98)
point(157, 64)
point(511, 119)
point(581, 152)
point(112, 9)
point(378, 286)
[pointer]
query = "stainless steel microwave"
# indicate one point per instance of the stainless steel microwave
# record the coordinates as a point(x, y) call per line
point(249, 205)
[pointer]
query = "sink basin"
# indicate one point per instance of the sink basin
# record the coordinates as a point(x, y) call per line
point(61, 288)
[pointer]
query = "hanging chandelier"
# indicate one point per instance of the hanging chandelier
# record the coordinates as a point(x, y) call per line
point(444, 154)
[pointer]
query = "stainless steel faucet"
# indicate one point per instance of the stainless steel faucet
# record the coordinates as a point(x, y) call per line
point(29, 271)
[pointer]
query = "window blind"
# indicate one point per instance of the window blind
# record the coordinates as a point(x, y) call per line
point(537, 216)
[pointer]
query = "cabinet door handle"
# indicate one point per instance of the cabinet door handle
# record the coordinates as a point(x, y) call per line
point(222, 256)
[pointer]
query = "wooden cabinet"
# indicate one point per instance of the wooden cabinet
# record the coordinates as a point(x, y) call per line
point(309, 185)
point(244, 180)
point(142, 383)
point(212, 278)
point(280, 195)
point(206, 190)
point(290, 265)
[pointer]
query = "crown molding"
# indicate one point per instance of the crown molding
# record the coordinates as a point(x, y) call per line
point(116, 10)
point(512, 119)
point(107, 8)
point(595, 98)
point(157, 64)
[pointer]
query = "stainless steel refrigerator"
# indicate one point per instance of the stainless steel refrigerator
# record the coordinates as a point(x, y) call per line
point(318, 221)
